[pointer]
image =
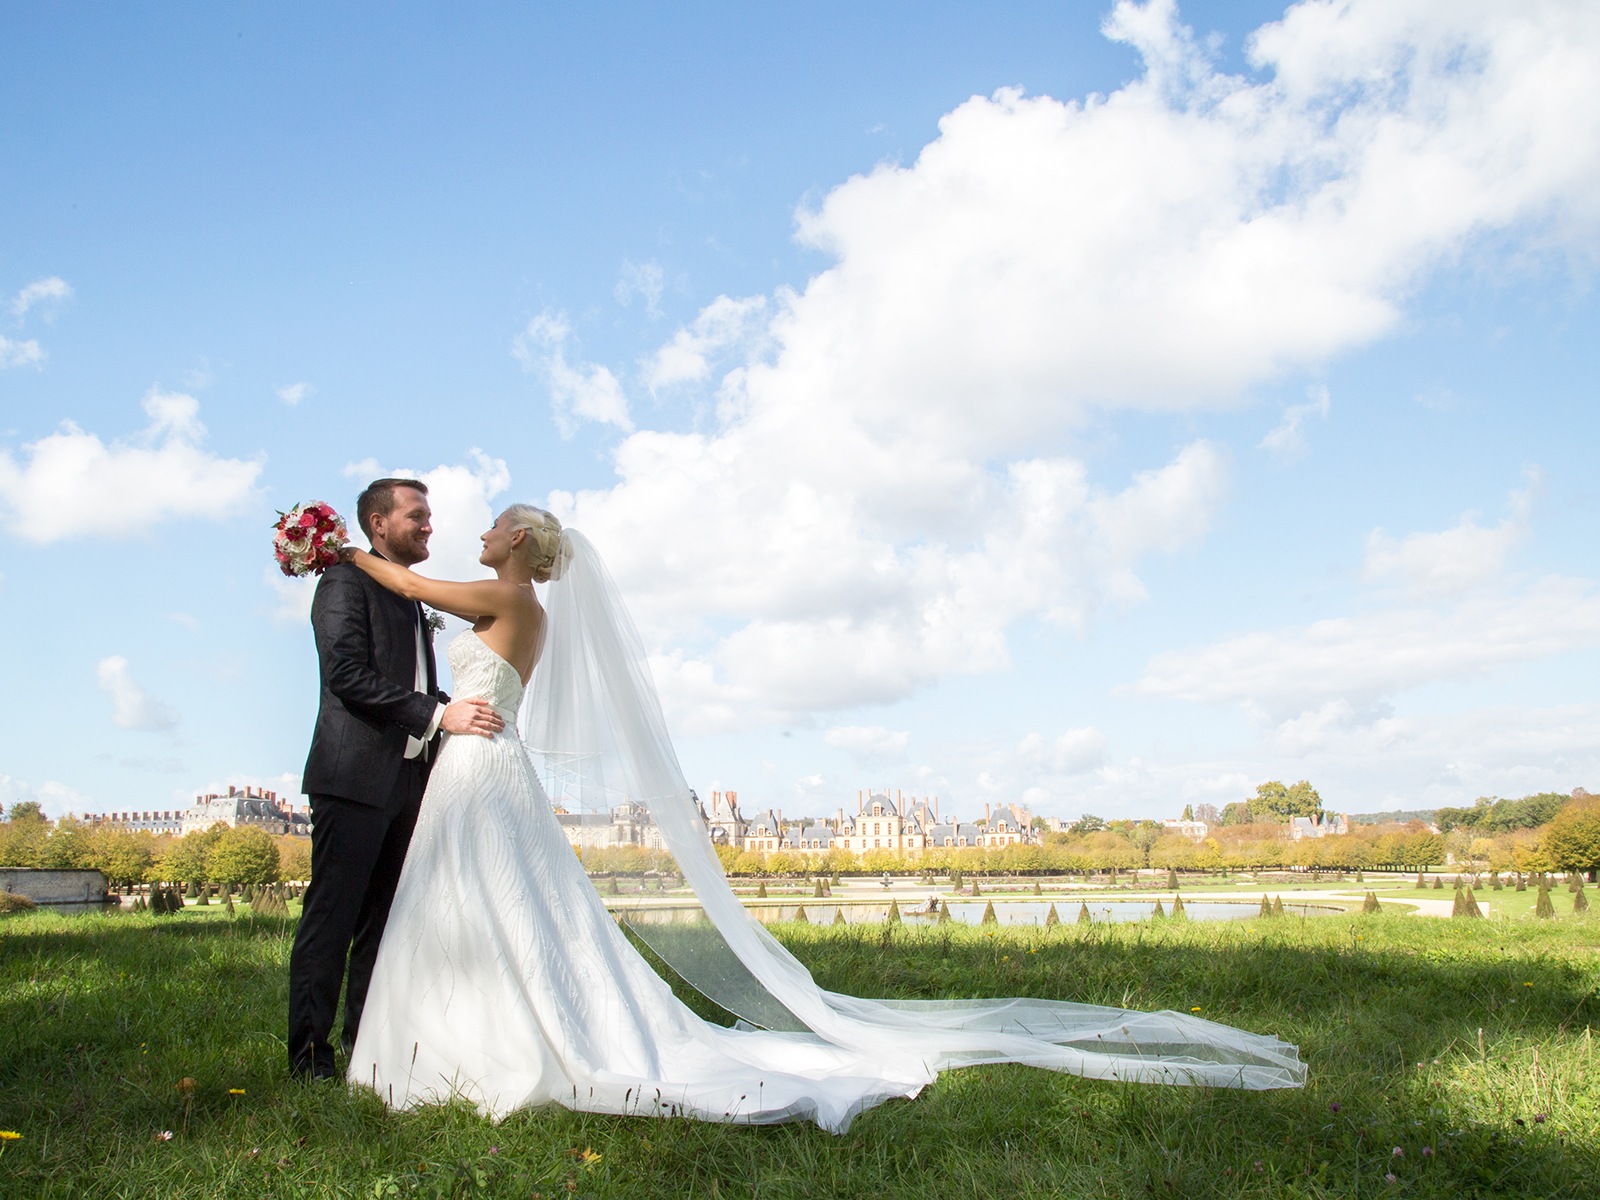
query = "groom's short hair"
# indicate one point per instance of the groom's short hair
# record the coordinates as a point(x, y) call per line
point(379, 498)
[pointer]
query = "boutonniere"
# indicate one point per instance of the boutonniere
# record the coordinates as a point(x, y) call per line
point(434, 621)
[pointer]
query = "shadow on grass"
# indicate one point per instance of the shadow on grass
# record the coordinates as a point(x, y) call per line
point(103, 1019)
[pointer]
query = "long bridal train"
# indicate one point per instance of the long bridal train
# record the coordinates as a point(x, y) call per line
point(502, 979)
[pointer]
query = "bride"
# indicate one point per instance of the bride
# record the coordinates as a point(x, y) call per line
point(502, 979)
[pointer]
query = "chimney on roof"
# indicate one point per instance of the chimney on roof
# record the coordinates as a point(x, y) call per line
point(985, 812)
point(733, 799)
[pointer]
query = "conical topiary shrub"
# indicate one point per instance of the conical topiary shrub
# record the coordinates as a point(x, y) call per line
point(1172, 880)
point(1359, 878)
point(1370, 904)
point(1522, 884)
point(800, 915)
point(838, 916)
point(1438, 883)
point(227, 900)
point(816, 890)
point(1178, 913)
point(761, 890)
point(1158, 912)
point(1277, 906)
point(1037, 890)
point(203, 897)
point(190, 891)
point(1542, 907)
point(613, 888)
point(1580, 901)
point(894, 913)
point(1266, 906)
point(1494, 881)
point(988, 915)
point(1083, 914)
point(1421, 881)
point(1052, 918)
point(976, 890)
point(1466, 905)
point(956, 882)
point(944, 913)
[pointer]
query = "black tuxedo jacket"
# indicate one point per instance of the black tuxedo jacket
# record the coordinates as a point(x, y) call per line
point(367, 661)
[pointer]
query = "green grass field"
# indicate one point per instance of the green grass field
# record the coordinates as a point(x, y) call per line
point(1465, 1045)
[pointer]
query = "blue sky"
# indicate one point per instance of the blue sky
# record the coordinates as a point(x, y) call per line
point(1103, 408)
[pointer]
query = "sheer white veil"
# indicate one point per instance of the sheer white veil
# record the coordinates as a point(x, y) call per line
point(594, 727)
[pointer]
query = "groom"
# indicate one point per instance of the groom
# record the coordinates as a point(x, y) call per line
point(376, 734)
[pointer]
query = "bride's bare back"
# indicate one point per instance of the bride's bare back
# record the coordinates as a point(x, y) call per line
point(517, 633)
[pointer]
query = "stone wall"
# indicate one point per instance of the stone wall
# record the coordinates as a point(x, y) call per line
point(54, 887)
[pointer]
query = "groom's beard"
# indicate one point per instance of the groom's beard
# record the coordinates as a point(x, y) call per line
point(407, 552)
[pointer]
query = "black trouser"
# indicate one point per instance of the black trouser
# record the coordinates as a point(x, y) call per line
point(356, 855)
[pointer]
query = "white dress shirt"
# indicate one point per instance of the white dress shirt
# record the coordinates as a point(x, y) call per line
point(416, 746)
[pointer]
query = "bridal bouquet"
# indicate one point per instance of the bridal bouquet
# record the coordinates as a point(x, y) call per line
point(307, 538)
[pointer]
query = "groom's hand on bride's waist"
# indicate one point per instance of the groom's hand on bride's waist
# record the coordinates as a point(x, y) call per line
point(472, 715)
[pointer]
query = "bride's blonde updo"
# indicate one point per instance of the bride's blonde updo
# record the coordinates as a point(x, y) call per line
point(541, 549)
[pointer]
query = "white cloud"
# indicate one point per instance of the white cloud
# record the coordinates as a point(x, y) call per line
point(829, 611)
point(686, 358)
point(132, 706)
point(1287, 440)
point(1450, 561)
point(291, 394)
point(71, 484)
point(885, 489)
point(869, 744)
point(1365, 659)
point(20, 354)
point(645, 280)
point(49, 290)
point(1069, 753)
point(293, 595)
point(591, 392)
point(55, 800)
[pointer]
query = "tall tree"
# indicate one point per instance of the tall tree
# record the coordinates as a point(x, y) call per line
point(1572, 839)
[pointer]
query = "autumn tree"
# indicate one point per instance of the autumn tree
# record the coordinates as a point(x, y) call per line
point(243, 855)
point(25, 811)
point(1572, 839)
point(67, 847)
point(1275, 802)
point(122, 855)
point(185, 859)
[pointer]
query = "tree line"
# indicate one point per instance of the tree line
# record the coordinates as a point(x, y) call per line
point(232, 856)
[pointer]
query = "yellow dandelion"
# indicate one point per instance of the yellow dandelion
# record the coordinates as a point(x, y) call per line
point(235, 1091)
point(1528, 984)
point(588, 1157)
point(9, 1135)
point(1196, 1008)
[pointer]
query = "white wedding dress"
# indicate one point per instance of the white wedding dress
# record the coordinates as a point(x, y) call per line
point(503, 980)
